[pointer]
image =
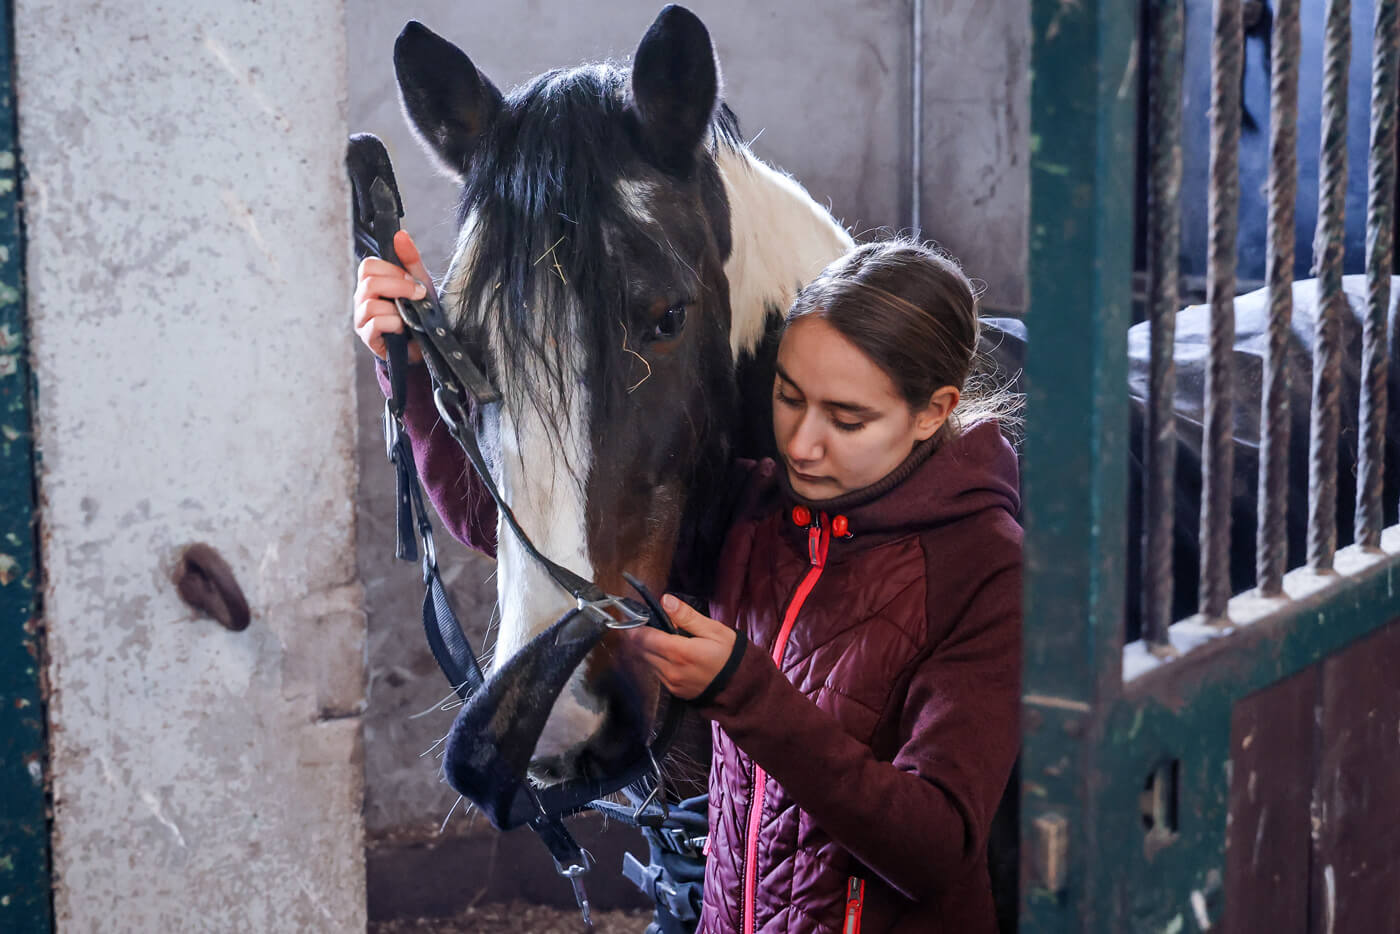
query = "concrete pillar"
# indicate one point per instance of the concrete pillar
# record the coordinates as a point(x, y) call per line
point(189, 274)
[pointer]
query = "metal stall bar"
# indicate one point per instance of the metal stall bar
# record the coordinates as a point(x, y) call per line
point(24, 827)
point(1329, 244)
point(1163, 269)
point(1385, 62)
point(1217, 464)
point(1271, 543)
point(1083, 101)
point(916, 118)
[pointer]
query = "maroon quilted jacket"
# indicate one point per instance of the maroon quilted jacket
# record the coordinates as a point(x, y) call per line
point(863, 740)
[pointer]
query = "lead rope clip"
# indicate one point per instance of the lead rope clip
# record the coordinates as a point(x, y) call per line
point(574, 872)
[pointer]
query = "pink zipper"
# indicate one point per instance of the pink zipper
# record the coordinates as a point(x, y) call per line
point(818, 539)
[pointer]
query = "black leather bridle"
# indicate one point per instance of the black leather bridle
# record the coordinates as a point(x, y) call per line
point(482, 762)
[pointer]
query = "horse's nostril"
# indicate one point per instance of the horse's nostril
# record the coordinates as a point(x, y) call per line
point(548, 771)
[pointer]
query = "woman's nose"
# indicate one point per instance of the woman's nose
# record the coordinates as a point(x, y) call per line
point(805, 445)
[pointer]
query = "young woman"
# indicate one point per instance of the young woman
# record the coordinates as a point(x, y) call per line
point(862, 669)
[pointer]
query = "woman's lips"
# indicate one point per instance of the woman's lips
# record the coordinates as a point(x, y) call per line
point(805, 477)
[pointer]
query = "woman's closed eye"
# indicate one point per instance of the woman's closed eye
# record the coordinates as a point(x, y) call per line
point(796, 402)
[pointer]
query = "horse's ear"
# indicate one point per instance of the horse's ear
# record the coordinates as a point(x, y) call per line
point(674, 86)
point(447, 101)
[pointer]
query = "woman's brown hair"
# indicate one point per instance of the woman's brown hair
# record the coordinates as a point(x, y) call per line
point(912, 310)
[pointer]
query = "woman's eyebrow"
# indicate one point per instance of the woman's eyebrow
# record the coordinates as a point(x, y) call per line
point(864, 411)
point(854, 408)
point(787, 379)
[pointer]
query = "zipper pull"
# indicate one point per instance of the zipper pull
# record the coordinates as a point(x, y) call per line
point(855, 900)
point(818, 538)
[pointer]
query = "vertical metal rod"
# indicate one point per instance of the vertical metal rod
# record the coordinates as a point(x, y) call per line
point(1163, 270)
point(1217, 466)
point(1329, 244)
point(916, 126)
point(1385, 57)
point(1271, 543)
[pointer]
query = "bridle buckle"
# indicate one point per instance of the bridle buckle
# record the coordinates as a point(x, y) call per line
point(597, 608)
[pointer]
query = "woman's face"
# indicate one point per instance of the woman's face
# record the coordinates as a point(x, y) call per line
point(839, 421)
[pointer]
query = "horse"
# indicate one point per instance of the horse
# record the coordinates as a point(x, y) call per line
point(621, 263)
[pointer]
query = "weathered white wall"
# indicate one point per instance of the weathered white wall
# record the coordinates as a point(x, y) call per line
point(189, 279)
point(975, 164)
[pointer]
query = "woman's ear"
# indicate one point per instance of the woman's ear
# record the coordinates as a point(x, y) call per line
point(932, 416)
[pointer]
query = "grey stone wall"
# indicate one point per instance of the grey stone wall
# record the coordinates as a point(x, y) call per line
point(187, 254)
point(975, 178)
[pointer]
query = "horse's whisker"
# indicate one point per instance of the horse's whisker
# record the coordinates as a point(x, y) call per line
point(435, 745)
point(449, 814)
point(438, 705)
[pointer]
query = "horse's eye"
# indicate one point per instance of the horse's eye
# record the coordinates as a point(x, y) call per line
point(670, 323)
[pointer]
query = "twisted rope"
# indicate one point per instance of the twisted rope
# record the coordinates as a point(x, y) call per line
point(1271, 543)
point(1328, 248)
point(1163, 268)
point(1227, 58)
point(1370, 485)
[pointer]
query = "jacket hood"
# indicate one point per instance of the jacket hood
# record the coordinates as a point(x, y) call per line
point(936, 484)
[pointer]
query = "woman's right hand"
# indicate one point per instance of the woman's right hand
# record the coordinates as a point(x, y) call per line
point(380, 282)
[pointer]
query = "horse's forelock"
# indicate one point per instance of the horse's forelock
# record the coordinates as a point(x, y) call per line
point(528, 254)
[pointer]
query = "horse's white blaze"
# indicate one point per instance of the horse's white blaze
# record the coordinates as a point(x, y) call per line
point(530, 466)
point(549, 504)
point(782, 239)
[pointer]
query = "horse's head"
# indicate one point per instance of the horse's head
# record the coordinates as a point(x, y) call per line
point(590, 268)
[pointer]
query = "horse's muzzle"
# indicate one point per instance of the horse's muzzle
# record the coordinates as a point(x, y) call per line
point(489, 749)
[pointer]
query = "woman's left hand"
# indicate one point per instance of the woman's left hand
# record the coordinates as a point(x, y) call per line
point(686, 666)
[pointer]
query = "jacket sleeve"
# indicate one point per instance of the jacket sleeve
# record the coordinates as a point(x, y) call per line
point(456, 492)
point(921, 821)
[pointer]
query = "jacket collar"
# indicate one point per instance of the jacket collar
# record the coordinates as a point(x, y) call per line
point(849, 501)
point(940, 481)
